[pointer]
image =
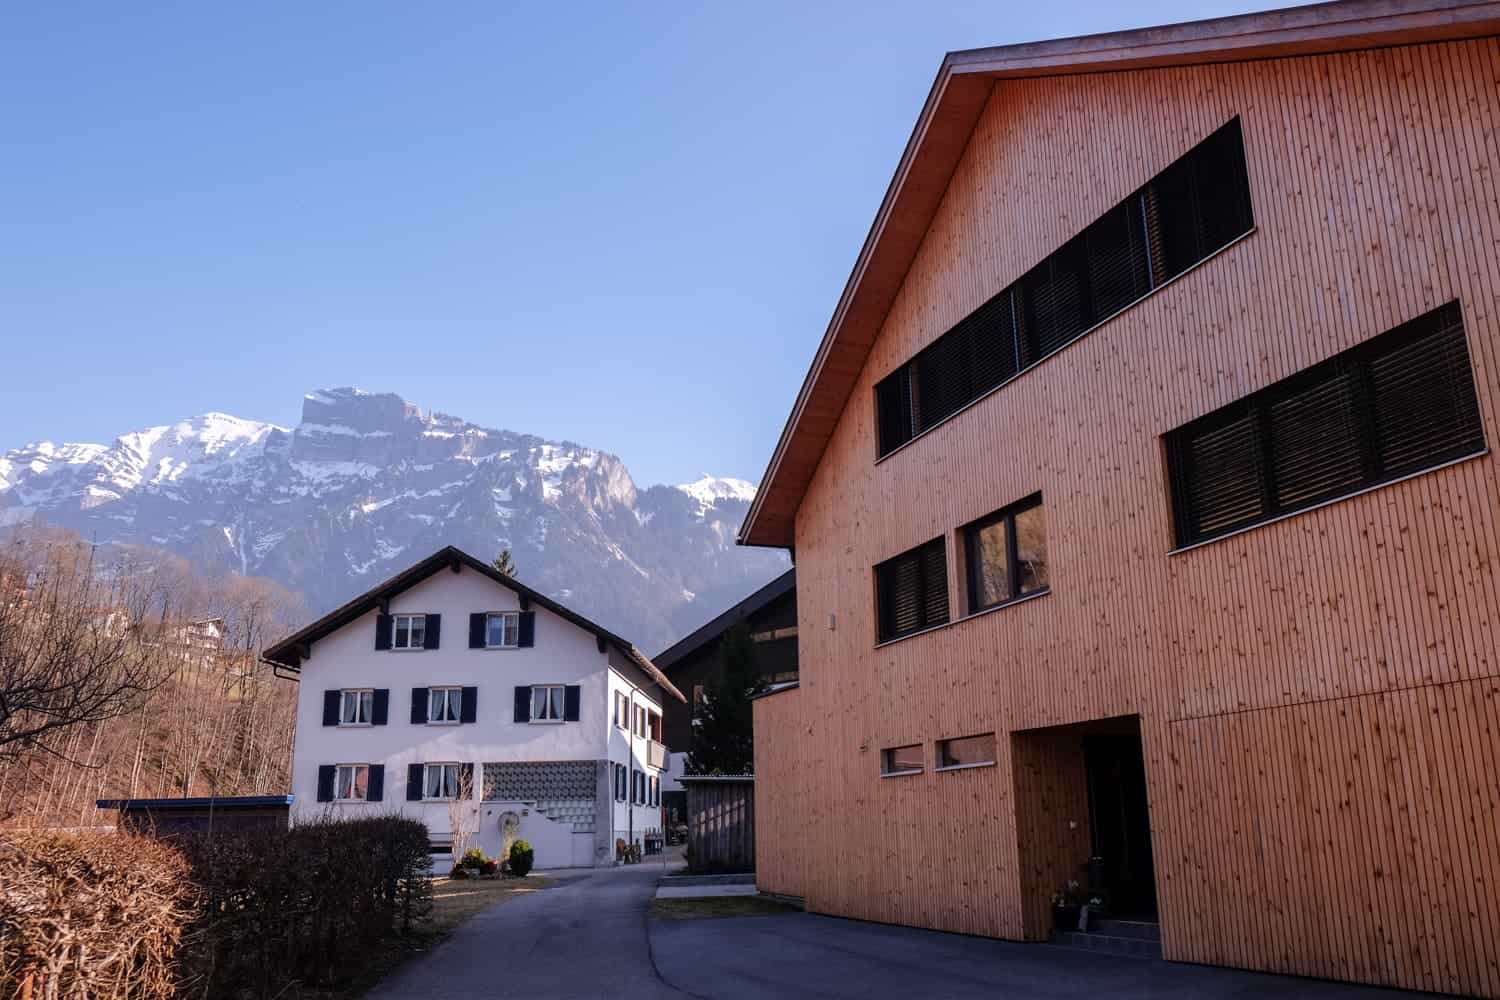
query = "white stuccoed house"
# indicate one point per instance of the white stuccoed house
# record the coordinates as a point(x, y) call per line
point(452, 674)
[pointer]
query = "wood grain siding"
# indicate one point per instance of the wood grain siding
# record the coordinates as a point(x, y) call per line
point(721, 823)
point(1318, 696)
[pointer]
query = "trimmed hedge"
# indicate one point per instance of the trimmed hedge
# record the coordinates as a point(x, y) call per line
point(91, 915)
point(241, 916)
point(308, 906)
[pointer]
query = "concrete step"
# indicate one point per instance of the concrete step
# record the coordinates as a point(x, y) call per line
point(1141, 930)
point(1108, 944)
point(746, 878)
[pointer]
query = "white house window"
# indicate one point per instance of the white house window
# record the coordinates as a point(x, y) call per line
point(440, 781)
point(356, 707)
point(443, 704)
point(503, 630)
point(408, 631)
point(547, 703)
point(351, 782)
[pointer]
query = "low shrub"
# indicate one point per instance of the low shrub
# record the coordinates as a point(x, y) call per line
point(91, 915)
point(473, 858)
point(521, 858)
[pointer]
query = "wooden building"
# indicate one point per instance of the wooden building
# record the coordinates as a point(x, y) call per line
point(693, 662)
point(1145, 523)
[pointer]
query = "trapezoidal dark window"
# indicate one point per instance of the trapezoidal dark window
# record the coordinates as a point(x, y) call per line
point(1399, 403)
point(1186, 213)
point(911, 591)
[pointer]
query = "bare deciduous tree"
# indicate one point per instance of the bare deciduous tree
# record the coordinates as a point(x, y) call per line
point(76, 640)
point(461, 814)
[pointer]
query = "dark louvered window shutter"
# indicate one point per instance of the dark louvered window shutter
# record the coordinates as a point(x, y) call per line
point(414, 782)
point(382, 631)
point(468, 709)
point(572, 702)
point(331, 705)
point(912, 591)
point(466, 779)
point(419, 706)
point(375, 788)
point(432, 631)
point(893, 410)
point(325, 782)
point(478, 621)
point(1191, 210)
point(526, 629)
point(380, 707)
point(1397, 404)
point(523, 703)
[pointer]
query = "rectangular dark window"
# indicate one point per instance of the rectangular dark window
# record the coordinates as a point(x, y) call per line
point(966, 751)
point(901, 760)
point(1399, 403)
point(1006, 554)
point(1186, 213)
point(911, 591)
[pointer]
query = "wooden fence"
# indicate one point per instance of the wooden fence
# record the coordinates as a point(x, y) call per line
point(721, 823)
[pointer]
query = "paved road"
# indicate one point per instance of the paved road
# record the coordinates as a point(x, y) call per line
point(584, 938)
point(590, 937)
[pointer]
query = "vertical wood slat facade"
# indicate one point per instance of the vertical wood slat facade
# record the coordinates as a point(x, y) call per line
point(721, 823)
point(1319, 697)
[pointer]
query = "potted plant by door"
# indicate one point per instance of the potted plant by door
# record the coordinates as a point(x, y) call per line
point(1067, 905)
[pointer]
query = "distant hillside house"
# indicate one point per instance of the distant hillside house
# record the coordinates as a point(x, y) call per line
point(452, 674)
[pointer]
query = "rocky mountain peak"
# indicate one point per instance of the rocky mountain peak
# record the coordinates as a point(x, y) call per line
point(369, 482)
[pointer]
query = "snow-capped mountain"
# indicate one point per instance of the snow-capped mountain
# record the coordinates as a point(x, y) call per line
point(367, 483)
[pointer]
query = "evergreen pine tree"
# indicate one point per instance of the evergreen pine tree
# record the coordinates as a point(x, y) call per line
point(504, 565)
point(723, 740)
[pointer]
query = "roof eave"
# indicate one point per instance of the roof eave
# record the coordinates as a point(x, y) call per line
point(936, 145)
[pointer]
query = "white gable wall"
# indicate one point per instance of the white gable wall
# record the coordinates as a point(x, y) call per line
point(563, 654)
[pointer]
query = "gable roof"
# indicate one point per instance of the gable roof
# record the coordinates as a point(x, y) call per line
point(958, 96)
point(291, 651)
point(708, 632)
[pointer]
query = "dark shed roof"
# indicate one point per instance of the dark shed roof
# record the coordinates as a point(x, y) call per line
point(707, 633)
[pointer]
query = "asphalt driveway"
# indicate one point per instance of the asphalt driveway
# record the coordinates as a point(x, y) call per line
point(590, 937)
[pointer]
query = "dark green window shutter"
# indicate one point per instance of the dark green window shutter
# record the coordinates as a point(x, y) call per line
point(572, 702)
point(433, 627)
point(527, 634)
point(375, 789)
point(466, 778)
point(468, 709)
point(382, 631)
point(331, 701)
point(380, 709)
point(414, 782)
point(523, 703)
point(325, 782)
point(419, 706)
point(477, 623)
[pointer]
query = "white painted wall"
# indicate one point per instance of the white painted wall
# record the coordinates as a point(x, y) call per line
point(630, 822)
point(563, 654)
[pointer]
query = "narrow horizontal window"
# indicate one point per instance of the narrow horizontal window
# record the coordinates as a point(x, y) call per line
point(901, 760)
point(1400, 403)
point(1185, 214)
point(1006, 554)
point(911, 591)
point(966, 751)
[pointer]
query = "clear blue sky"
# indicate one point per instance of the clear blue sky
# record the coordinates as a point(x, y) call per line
point(624, 224)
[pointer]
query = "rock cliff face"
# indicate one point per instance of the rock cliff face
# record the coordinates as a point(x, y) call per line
point(368, 483)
